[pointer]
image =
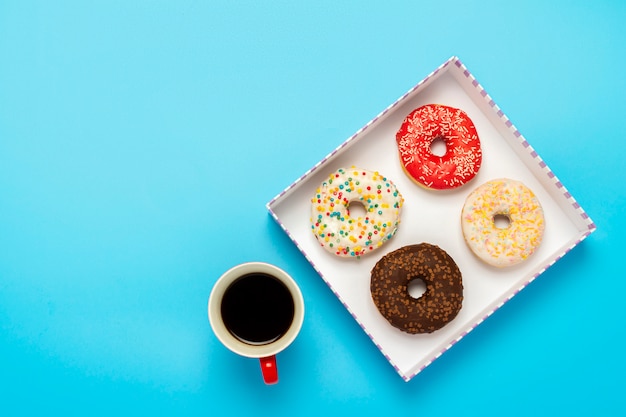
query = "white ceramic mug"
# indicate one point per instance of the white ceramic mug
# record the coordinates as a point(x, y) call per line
point(256, 310)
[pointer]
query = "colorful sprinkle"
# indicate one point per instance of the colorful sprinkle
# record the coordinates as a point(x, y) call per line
point(349, 236)
point(521, 233)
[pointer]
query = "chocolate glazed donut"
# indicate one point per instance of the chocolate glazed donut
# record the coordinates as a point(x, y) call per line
point(435, 308)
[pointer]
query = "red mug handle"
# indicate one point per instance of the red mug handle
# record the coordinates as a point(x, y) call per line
point(269, 369)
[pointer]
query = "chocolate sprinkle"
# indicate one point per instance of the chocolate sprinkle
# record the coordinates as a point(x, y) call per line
point(432, 310)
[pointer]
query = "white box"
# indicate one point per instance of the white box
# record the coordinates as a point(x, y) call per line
point(434, 216)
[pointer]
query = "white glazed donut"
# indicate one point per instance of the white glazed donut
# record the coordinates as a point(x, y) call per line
point(346, 236)
point(502, 246)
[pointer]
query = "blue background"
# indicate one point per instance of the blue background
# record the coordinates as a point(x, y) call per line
point(141, 140)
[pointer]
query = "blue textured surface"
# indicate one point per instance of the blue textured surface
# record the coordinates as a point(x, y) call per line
point(123, 123)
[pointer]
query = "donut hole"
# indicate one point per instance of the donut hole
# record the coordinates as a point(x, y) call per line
point(356, 209)
point(438, 146)
point(416, 287)
point(502, 221)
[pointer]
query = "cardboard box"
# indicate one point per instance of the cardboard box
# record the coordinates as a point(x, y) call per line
point(434, 216)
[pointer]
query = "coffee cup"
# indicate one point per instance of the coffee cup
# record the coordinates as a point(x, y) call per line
point(256, 310)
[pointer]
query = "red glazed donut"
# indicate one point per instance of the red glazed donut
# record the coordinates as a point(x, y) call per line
point(463, 155)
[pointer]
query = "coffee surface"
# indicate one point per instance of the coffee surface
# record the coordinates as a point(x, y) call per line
point(257, 309)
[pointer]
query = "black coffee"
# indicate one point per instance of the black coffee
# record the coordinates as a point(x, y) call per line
point(257, 309)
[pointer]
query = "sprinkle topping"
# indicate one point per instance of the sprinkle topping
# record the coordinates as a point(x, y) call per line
point(463, 155)
point(440, 303)
point(353, 236)
point(496, 245)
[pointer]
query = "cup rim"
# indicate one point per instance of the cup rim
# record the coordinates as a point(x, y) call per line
point(230, 341)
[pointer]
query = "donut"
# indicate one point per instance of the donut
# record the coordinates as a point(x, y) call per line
point(509, 243)
point(435, 308)
point(353, 236)
point(426, 124)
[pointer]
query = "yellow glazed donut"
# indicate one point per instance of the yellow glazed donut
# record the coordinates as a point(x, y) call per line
point(347, 236)
point(512, 243)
